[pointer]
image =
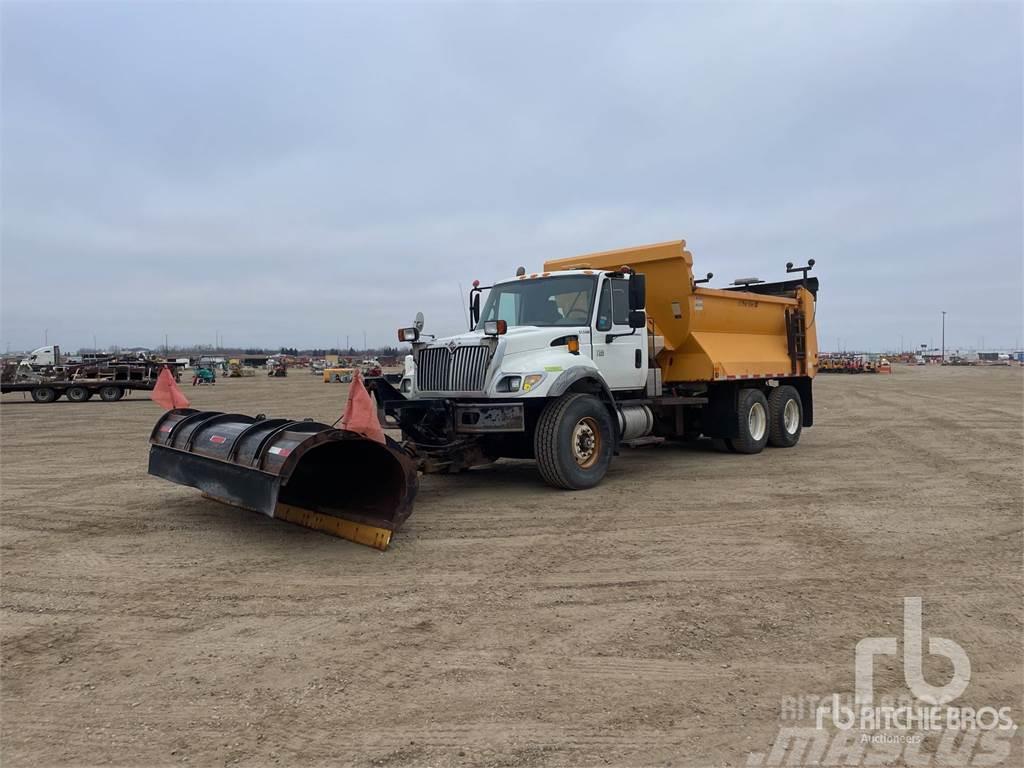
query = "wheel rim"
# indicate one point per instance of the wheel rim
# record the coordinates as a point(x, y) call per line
point(586, 442)
point(77, 394)
point(791, 417)
point(757, 421)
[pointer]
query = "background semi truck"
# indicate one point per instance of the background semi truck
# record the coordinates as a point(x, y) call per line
point(563, 366)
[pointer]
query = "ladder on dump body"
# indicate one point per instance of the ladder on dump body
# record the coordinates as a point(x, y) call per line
point(796, 339)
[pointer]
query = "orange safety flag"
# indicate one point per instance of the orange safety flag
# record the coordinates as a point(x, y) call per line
point(166, 393)
point(361, 413)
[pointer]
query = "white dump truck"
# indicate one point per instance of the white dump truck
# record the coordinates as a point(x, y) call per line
point(565, 364)
point(562, 365)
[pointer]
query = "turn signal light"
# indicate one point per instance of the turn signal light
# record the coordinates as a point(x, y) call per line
point(531, 381)
point(574, 345)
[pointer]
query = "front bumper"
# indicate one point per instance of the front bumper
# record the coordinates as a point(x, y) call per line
point(475, 418)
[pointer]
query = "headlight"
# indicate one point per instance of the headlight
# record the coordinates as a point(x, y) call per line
point(408, 334)
point(532, 380)
point(508, 384)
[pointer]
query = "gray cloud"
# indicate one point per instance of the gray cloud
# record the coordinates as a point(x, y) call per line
point(292, 174)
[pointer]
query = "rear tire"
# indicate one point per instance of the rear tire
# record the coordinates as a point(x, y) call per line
point(785, 417)
point(751, 422)
point(78, 394)
point(44, 394)
point(573, 442)
point(111, 394)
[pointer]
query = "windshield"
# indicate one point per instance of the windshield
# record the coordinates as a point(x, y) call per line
point(550, 301)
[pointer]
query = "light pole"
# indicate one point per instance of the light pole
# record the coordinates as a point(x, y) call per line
point(943, 337)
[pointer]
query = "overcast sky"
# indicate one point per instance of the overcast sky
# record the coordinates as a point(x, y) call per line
point(301, 173)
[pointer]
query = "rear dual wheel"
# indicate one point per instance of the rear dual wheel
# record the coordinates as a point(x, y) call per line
point(776, 420)
point(45, 394)
point(751, 422)
point(785, 417)
point(111, 394)
point(78, 394)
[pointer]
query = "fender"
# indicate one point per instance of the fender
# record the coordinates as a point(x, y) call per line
point(570, 376)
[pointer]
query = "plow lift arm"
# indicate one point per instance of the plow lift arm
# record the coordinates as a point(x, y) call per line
point(305, 472)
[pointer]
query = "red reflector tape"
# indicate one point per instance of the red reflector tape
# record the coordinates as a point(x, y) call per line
point(165, 428)
point(218, 439)
point(279, 451)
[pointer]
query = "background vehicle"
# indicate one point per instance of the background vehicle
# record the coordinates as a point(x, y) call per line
point(204, 375)
point(43, 356)
point(110, 380)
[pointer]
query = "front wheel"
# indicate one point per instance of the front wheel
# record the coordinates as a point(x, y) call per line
point(573, 442)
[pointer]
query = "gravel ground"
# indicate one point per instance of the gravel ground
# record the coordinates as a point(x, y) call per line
point(670, 615)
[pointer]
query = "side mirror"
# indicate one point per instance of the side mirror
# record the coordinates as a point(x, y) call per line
point(474, 309)
point(637, 294)
point(637, 318)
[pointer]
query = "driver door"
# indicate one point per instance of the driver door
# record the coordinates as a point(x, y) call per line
point(621, 359)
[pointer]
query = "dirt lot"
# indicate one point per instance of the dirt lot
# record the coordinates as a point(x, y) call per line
point(664, 617)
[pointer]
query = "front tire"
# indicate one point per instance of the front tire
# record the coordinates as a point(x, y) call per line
point(785, 417)
point(752, 422)
point(573, 442)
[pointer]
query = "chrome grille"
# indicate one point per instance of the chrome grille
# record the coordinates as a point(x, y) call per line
point(459, 369)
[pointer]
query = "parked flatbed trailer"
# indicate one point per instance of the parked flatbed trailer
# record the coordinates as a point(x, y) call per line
point(78, 391)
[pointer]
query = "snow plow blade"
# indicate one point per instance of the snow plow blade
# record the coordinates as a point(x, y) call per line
point(304, 472)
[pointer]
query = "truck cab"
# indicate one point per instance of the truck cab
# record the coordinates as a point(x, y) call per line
point(537, 334)
point(43, 357)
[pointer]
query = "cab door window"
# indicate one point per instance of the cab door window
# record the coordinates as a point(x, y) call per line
point(620, 301)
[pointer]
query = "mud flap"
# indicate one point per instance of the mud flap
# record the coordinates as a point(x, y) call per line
point(304, 472)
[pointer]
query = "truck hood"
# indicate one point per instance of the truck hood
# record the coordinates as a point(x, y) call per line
point(522, 338)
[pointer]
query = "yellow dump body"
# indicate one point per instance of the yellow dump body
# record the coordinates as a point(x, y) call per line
point(710, 334)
